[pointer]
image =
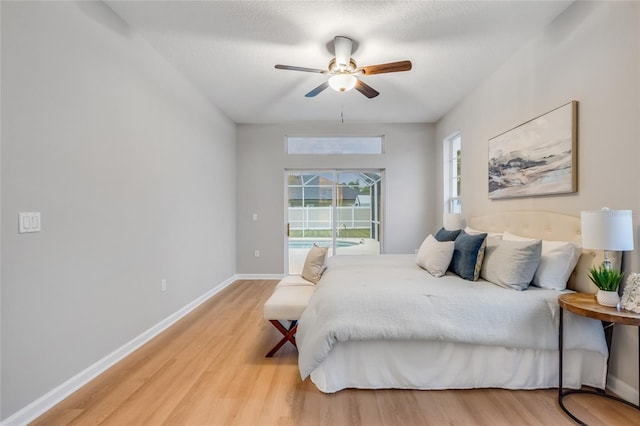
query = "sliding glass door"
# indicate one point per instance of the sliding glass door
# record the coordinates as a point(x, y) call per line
point(339, 209)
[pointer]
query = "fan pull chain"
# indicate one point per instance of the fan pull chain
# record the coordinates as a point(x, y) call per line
point(342, 113)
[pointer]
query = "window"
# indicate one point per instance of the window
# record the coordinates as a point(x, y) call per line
point(341, 209)
point(452, 200)
point(334, 145)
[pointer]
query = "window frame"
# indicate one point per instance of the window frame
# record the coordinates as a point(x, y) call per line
point(335, 142)
point(452, 173)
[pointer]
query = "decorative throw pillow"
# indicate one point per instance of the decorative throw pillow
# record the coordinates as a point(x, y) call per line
point(435, 256)
point(511, 264)
point(472, 231)
point(447, 235)
point(557, 262)
point(314, 264)
point(467, 257)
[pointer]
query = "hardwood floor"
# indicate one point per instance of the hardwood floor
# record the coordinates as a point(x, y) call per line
point(210, 369)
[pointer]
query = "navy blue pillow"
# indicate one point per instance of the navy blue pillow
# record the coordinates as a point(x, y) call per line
point(468, 253)
point(447, 235)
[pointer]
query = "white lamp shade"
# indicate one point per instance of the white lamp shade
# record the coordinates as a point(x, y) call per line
point(451, 221)
point(342, 82)
point(607, 229)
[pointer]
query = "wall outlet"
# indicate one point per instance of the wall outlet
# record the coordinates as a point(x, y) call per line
point(416, 251)
point(256, 253)
point(163, 285)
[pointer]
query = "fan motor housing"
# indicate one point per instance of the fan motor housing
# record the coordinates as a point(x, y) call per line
point(333, 66)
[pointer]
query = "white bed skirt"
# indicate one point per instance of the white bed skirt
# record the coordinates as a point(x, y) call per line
point(446, 365)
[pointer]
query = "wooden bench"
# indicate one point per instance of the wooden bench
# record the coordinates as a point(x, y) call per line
point(286, 304)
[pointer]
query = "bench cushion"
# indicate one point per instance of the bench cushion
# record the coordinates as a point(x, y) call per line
point(288, 301)
point(293, 280)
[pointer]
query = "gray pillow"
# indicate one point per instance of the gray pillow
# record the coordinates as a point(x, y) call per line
point(511, 264)
point(468, 253)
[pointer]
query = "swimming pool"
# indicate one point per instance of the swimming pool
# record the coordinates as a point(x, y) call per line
point(307, 244)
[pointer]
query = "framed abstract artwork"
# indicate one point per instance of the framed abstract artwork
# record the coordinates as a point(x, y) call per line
point(536, 158)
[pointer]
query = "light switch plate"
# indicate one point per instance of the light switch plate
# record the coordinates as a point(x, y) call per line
point(29, 222)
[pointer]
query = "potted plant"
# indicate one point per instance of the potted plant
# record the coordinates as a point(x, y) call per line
point(607, 280)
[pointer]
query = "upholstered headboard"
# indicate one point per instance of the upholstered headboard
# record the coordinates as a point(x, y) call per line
point(547, 226)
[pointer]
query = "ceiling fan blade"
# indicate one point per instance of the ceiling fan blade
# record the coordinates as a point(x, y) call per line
point(390, 67)
point(317, 90)
point(342, 47)
point(366, 90)
point(292, 68)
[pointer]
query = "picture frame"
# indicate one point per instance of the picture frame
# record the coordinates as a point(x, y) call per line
point(536, 158)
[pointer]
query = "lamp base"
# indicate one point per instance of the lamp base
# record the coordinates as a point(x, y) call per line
point(606, 262)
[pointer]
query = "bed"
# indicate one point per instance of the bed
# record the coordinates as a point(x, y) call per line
point(379, 322)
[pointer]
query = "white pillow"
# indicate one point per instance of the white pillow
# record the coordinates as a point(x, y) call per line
point(435, 256)
point(558, 260)
point(472, 231)
point(314, 264)
point(511, 264)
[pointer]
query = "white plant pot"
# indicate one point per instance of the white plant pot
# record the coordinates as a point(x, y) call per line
point(608, 298)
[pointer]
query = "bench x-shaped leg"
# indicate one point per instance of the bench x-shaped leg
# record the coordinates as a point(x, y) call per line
point(289, 335)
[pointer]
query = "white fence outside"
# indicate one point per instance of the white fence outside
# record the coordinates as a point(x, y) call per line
point(321, 218)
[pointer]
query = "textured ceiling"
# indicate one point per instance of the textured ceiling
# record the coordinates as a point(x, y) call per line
point(228, 49)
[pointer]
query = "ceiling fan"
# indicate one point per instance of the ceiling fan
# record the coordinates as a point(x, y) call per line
point(343, 72)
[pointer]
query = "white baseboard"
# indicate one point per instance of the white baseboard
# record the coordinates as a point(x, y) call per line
point(622, 389)
point(53, 397)
point(260, 276)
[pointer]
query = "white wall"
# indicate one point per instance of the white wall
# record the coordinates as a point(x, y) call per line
point(590, 53)
point(134, 174)
point(410, 172)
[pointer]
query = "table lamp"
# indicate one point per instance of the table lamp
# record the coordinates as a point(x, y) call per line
point(607, 230)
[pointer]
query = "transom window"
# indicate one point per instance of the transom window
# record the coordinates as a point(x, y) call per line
point(334, 145)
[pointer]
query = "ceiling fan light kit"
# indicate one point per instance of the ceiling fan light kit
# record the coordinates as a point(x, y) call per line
point(343, 72)
point(342, 82)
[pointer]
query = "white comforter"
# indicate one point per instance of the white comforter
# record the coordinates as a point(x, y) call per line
point(389, 297)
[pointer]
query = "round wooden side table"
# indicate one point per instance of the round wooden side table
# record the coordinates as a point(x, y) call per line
point(587, 306)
